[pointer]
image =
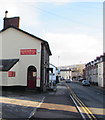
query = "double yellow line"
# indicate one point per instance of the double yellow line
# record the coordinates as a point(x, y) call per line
point(81, 104)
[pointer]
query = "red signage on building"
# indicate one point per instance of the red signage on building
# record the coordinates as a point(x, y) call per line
point(11, 74)
point(28, 52)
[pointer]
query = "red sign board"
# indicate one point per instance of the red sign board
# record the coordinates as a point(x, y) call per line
point(28, 52)
point(11, 74)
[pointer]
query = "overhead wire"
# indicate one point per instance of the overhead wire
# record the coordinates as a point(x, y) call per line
point(65, 18)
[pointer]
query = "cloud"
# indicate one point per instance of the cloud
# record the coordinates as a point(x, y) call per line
point(73, 48)
point(24, 10)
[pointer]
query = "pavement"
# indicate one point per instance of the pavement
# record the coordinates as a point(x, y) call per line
point(51, 104)
point(34, 105)
point(19, 103)
point(57, 105)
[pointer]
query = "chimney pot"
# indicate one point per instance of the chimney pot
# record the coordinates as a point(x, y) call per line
point(6, 13)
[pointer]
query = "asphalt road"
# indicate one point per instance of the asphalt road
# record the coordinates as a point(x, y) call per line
point(93, 97)
point(19, 104)
point(52, 104)
point(58, 105)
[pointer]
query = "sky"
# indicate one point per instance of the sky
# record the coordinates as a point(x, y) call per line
point(73, 28)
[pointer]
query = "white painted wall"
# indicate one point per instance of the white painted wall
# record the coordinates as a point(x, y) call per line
point(14, 40)
point(10, 81)
point(63, 74)
point(3, 75)
point(14, 80)
point(100, 74)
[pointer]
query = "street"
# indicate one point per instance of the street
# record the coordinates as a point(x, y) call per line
point(19, 103)
point(52, 61)
point(58, 105)
point(62, 103)
point(93, 97)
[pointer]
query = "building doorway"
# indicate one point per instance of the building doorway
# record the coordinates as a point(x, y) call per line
point(31, 77)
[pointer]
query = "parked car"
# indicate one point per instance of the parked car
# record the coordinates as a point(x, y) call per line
point(81, 79)
point(62, 78)
point(85, 83)
point(68, 81)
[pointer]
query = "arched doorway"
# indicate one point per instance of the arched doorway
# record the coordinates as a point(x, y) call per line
point(31, 77)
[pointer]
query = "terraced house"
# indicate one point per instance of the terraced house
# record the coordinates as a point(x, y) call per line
point(24, 60)
point(95, 71)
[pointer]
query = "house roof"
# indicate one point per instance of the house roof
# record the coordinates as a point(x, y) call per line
point(7, 64)
point(45, 42)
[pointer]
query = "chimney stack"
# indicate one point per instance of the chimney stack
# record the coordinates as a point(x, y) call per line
point(14, 21)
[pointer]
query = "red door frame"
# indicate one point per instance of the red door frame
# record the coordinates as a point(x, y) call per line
point(31, 77)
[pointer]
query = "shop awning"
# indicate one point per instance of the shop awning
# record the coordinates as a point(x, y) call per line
point(7, 64)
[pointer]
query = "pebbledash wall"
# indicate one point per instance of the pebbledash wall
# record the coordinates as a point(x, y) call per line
point(27, 50)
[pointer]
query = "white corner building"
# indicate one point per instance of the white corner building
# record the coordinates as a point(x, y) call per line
point(24, 58)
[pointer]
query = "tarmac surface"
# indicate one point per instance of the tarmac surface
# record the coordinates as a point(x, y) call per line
point(31, 105)
point(19, 104)
point(57, 105)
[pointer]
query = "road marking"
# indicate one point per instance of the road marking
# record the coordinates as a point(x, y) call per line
point(84, 108)
point(15, 101)
point(78, 108)
point(34, 111)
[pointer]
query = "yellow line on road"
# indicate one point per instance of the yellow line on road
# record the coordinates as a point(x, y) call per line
point(85, 109)
point(28, 103)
